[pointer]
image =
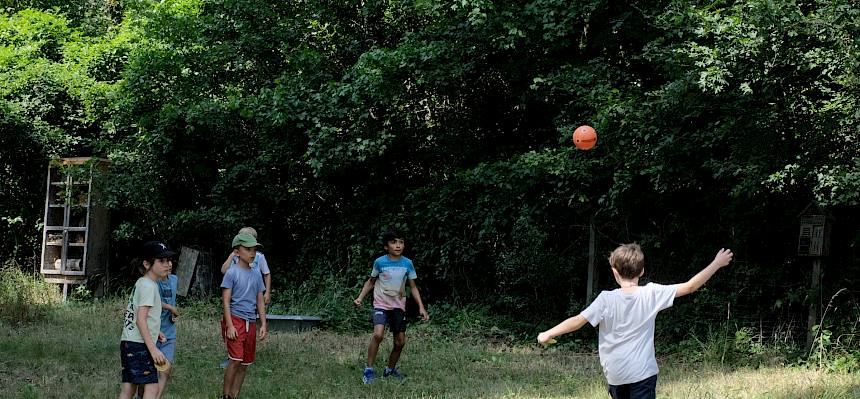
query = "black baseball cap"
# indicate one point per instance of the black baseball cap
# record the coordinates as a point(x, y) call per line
point(156, 250)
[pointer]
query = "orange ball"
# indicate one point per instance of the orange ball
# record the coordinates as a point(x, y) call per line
point(584, 137)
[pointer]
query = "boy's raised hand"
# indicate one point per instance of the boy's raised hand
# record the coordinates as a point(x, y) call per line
point(723, 258)
point(545, 339)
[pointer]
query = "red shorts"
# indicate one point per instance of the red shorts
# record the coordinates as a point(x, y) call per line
point(243, 348)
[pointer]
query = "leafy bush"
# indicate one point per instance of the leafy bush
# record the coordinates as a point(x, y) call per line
point(733, 346)
point(331, 300)
point(25, 298)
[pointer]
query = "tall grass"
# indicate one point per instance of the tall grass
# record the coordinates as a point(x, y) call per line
point(24, 297)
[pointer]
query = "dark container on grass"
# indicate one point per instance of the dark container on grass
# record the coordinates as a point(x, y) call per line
point(292, 323)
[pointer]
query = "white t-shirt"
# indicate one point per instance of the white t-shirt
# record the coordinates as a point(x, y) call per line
point(626, 332)
point(145, 294)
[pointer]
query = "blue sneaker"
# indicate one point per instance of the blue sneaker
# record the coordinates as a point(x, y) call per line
point(393, 373)
point(368, 375)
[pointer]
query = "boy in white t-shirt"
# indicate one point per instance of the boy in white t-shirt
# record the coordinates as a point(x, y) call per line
point(625, 317)
point(139, 354)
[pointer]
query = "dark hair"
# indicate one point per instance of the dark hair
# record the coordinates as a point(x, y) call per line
point(391, 235)
point(137, 264)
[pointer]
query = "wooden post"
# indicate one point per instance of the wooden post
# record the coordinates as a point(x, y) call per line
point(814, 303)
point(185, 271)
point(591, 272)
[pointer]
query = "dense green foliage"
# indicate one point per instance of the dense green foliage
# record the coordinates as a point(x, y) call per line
point(324, 123)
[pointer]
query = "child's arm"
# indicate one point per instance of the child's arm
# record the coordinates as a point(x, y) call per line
point(173, 311)
point(142, 313)
point(267, 278)
point(724, 256)
point(417, 296)
point(226, 294)
point(368, 285)
point(570, 325)
point(261, 312)
point(226, 264)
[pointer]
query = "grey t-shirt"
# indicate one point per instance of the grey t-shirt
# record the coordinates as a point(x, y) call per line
point(626, 332)
point(245, 284)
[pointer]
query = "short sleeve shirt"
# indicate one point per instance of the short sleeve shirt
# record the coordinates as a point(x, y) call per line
point(626, 330)
point(390, 287)
point(145, 294)
point(245, 284)
point(167, 290)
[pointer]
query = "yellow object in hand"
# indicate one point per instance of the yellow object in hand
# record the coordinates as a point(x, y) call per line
point(163, 366)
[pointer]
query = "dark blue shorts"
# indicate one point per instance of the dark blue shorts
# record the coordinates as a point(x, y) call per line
point(137, 365)
point(394, 318)
point(645, 389)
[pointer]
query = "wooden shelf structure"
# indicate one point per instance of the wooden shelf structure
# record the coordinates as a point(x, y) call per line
point(75, 237)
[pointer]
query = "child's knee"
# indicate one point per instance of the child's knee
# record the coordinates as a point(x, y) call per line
point(377, 337)
point(399, 342)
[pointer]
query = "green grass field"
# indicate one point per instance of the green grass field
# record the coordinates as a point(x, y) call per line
point(75, 354)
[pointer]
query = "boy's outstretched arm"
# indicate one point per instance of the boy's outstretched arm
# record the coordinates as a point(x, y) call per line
point(417, 296)
point(142, 313)
point(226, 264)
point(226, 295)
point(724, 256)
point(261, 312)
point(570, 325)
point(267, 280)
point(368, 285)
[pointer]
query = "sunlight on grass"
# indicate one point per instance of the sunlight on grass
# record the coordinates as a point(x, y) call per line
point(78, 347)
point(768, 382)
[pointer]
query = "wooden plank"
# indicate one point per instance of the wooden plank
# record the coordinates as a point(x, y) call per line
point(65, 280)
point(187, 264)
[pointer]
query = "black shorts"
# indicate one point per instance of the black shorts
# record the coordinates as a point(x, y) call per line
point(394, 318)
point(137, 365)
point(645, 389)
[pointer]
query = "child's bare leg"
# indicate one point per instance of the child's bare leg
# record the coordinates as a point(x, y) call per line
point(127, 390)
point(399, 342)
point(375, 340)
point(163, 376)
point(238, 380)
point(230, 376)
point(150, 391)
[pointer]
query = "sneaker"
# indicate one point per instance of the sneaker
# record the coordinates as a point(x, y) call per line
point(368, 375)
point(393, 373)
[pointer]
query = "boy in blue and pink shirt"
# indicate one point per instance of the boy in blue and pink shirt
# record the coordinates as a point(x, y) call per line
point(388, 279)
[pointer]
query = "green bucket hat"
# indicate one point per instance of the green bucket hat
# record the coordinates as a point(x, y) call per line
point(246, 240)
